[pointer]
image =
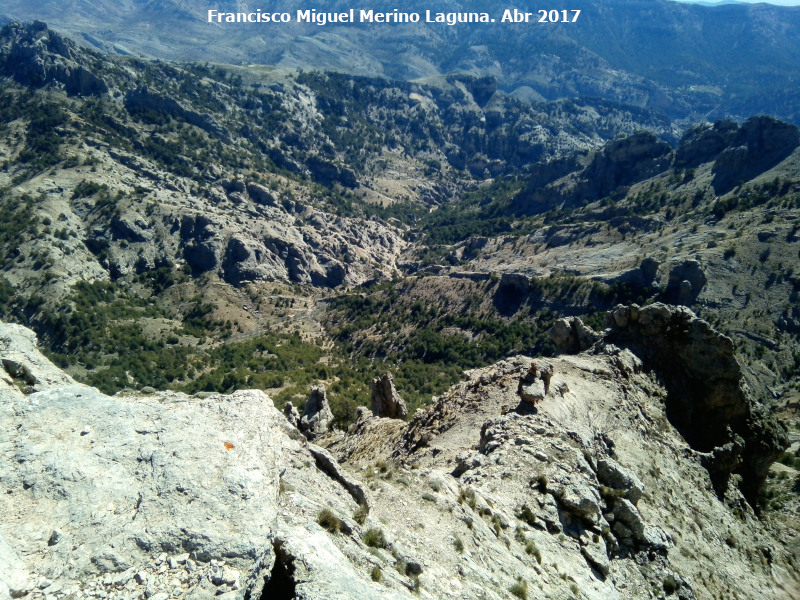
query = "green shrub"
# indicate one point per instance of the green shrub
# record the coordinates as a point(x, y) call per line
point(670, 585)
point(329, 521)
point(377, 574)
point(467, 495)
point(526, 514)
point(520, 589)
point(375, 538)
point(401, 566)
point(85, 189)
point(532, 549)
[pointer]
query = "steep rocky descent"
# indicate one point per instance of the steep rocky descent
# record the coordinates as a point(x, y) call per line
point(132, 497)
point(590, 491)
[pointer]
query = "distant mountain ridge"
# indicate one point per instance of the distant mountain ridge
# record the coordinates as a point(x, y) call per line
point(693, 62)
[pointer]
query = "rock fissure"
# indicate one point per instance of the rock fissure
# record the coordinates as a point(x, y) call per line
point(280, 584)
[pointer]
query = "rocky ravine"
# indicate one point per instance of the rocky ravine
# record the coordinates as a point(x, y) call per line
point(552, 478)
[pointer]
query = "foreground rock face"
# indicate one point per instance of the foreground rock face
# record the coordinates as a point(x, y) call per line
point(162, 496)
point(587, 491)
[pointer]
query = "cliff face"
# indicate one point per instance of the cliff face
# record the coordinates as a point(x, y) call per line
point(708, 399)
point(737, 154)
point(555, 476)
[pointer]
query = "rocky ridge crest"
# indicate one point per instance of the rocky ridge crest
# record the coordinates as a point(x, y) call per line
point(738, 153)
point(222, 495)
point(34, 55)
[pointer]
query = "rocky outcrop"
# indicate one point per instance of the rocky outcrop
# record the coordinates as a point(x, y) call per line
point(595, 469)
point(317, 416)
point(326, 252)
point(291, 414)
point(385, 401)
point(538, 383)
point(130, 227)
point(571, 335)
point(686, 281)
point(614, 475)
point(515, 283)
point(175, 496)
point(201, 243)
point(327, 173)
point(620, 163)
point(481, 88)
point(327, 464)
point(708, 399)
point(34, 55)
point(260, 194)
point(703, 143)
point(623, 162)
point(24, 369)
point(760, 144)
point(739, 154)
point(644, 277)
point(632, 530)
point(144, 100)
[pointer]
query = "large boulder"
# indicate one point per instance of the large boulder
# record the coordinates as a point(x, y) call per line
point(317, 416)
point(614, 475)
point(385, 401)
point(571, 335)
point(686, 281)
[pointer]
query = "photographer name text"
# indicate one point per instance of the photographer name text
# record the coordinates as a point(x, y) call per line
point(369, 16)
